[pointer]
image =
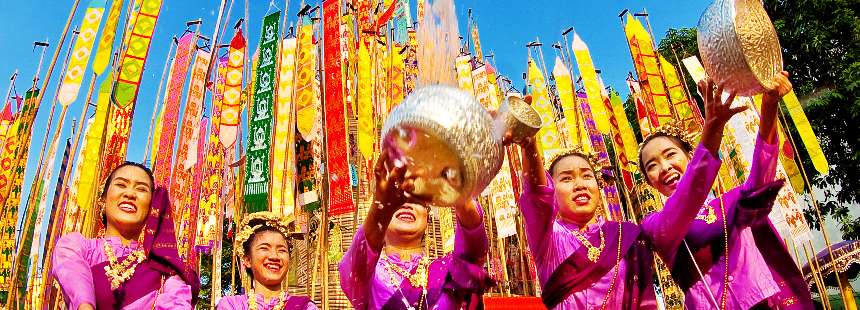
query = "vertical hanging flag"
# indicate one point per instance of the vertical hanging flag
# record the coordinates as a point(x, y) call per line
point(645, 117)
point(210, 206)
point(260, 127)
point(792, 104)
point(366, 128)
point(648, 69)
point(231, 111)
point(548, 138)
point(484, 91)
point(396, 77)
point(479, 55)
point(306, 115)
point(610, 192)
point(127, 84)
point(180, 183)
point(589, 79)
point(103, 52)
point(572, 119)
point(12, 165)
point(463, 65)
point(71, 84)
point(337, 152)
point(624, 130)
point(175, 85)
point(687, 112)
point(283, 152)
point(94, 141)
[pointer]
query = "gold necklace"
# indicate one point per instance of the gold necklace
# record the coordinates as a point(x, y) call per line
point(593, 252)
point(726, 252)
point(252, 300)
point(709, 217)
point(119, 272)
point(418, 278)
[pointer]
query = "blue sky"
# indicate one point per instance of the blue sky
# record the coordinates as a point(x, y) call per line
point(505, 28)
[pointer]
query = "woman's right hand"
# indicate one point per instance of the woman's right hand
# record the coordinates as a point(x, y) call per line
point(717, 113)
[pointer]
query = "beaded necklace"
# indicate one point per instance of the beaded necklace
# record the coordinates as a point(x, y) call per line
point(418, 279)
point(119, 272)
point(252, 300)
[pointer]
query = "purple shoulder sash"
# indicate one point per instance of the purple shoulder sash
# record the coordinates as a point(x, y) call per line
point(297, 303)
point(144, 281)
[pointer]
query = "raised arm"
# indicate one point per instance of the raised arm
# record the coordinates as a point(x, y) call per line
point(357, 268)
point(470, 238)
point(536, 201)
point(766, 151)
point(72, 271)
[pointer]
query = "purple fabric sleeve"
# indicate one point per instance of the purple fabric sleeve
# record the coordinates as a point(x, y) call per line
point(356, 270)
point(538, 208)
point(72, 270)
point(763, 168)
point(175, 294)
point(471, 244)
point(666, 228)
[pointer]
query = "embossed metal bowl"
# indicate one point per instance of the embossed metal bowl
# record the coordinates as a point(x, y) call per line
point(739, 46)
point(450, 137)
point(517, 117)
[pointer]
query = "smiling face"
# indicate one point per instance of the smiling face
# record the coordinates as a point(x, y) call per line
point(408, 223)
point(664, 161)
point(267, 257)
point(127, 198)
point(577, 192)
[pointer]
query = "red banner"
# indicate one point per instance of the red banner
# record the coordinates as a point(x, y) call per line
point(337, 155)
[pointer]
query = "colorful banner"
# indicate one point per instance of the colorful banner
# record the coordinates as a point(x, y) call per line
point(175, 85)
point(180, 184)
point(624, 133)
point(504, 204)
point(210, 201)
point(610, 192)
point(592, 86)
point(307, 196)
point(485, 92)
point(366, 128)
point(792, 104)
point(306, 114)
point(476, 39)
point(687, 112)
point(92, 152)
point(645, 117)
point(576, 133)
point(231, 112)
point(396, 78)
point(260, 127)
point(648, 69)
point(12, 165)
point(283, 153)
point(105, 48)
point(337, 152)
point(71, 84)
point(548, 138)
point(463, 65)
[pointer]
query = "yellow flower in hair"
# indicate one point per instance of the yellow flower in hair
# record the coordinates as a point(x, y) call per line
point(270, 219)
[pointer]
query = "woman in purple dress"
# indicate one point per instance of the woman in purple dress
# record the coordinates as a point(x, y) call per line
point(135, 265)
point(386, 266)
point(759, 273)
point(262, 244)
point(584, 260)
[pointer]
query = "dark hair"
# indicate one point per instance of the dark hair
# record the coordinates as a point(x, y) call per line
point(603, 177)
point(684, 145)
point(259, 231)
point(110, 178)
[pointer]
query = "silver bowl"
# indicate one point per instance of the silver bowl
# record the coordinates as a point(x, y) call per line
point(517, 117)
point(739, 46)
point(449, 136)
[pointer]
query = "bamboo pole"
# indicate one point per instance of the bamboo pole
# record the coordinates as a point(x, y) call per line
point(816, 276)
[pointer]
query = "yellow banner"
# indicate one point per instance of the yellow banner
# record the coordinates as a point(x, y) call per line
point(648, 70)
point(396, 71)
point(71, 85)
point(283, 150)
point(103, 52)
point(548, 137)
point(687, 113)
point(627, 136)
point(94, 140)
point(464, 73)
point(592, 87)
point(572, 119)
point(306, 114)
point(366, 128)
point(792, 104)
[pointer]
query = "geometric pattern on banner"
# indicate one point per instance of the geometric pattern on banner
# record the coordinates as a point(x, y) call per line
point(548, 139)
point(260, 128)
point(231, 111)
point(568, 107)
point(610, 192)
point(92, 152)
point(105, 47)
point(164, 156)
point(134, 59)
point(210, 207)
point(306, 114)
point(12, 165)
point(71, 84)
point(504, 203)
point(337, 153)
point(589, 79)
point(397, 70)
point(647, 68)
point(283, 153)
point(627, 138)
point(688, 113)
point(307, 196)
point(180, 183)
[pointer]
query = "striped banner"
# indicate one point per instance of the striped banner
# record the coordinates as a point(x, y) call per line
point(283, 153)
point(105, 48)
point(71, 85)
point(592, 86)
point(257, 178)
point(232, 110)
point(624, 133)
point(175, 86)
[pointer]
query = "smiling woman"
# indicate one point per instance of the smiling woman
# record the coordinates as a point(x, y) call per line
point(263, 245)
point(135, 265)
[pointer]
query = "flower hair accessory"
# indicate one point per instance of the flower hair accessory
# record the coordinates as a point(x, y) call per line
point(269, 219)
point(671, 129)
